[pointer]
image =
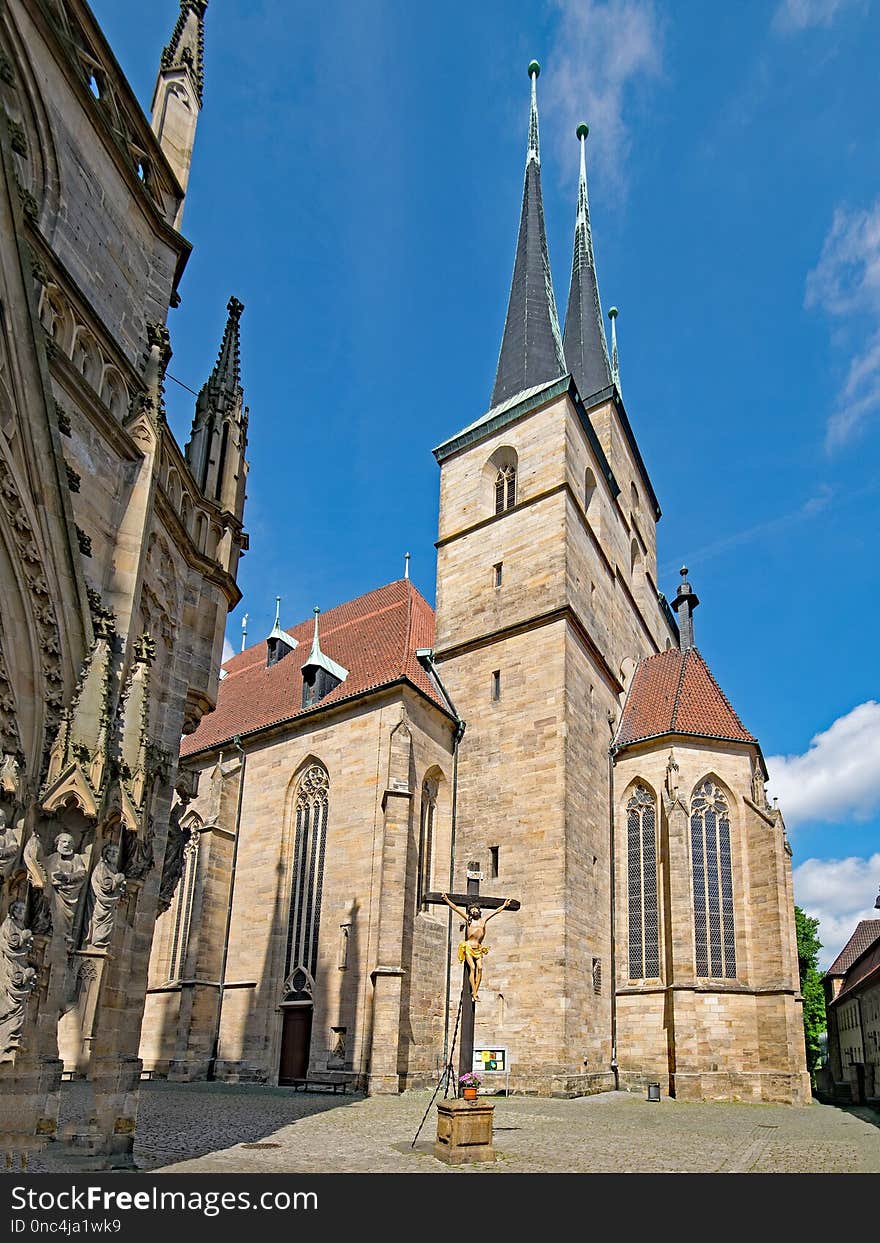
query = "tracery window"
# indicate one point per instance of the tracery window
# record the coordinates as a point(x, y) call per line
point(307, 881)
point(505, 489)
point(714, 939)
point(426, 839)
point(644, 939)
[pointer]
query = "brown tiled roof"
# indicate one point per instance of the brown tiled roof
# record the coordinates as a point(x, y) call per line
point(374, 637)
point(674, 692)
point(863, 972)
point(866, 933)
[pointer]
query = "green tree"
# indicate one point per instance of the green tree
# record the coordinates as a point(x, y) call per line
point(808, 946)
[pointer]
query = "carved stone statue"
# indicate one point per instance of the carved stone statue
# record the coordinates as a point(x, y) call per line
point(66, 872)
point(105, 889)
point(10, 841)
point(17, 979)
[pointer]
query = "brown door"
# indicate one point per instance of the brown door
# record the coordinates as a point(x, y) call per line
point(296, 1035)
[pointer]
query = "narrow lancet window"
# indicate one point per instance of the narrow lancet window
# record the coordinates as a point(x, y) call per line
point(644, 943)
point(714, 939)
point(426, 839)
point(307, 882)
point(505, 489)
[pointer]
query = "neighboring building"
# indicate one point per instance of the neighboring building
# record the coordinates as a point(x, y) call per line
point(852, 1005)
point(603, 779)
point(118, 551)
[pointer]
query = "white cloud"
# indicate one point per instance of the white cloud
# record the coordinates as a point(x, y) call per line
point(860, 397)
point(846, 282)
point(800, 14)
point(601, 51)
point(837, 892)
point(847, 276)
point(228, 651)
point(838, 776)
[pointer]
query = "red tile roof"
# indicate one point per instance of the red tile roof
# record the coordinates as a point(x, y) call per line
point(864, 972)
point(674, 692)
point(866, 933)
point(374, 637)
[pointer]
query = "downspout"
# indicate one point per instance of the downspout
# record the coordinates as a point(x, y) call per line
point(425, 657)
point(236, 742)
point(613, 972)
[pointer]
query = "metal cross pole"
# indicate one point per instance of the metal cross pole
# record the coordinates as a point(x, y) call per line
point(473, 897)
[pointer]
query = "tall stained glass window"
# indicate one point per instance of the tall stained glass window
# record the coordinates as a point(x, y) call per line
point(714, 939)
point(304, 920)
point(641, 834)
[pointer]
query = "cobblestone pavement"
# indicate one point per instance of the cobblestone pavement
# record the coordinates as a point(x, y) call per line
point(206, 1128)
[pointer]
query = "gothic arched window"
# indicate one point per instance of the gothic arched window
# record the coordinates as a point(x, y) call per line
point(304, 919)
point(426, 839)
point(713, 886)
point(644, 939)
point(505, 489)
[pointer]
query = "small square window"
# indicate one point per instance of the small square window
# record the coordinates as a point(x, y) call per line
point(496, 573)
point(496, 684)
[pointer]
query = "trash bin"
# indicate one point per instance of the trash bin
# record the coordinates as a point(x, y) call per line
point(653, 1091)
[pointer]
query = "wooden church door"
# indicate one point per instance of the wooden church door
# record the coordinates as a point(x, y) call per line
point(296, 1035)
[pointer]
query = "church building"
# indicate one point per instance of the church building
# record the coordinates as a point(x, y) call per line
point(553, 726)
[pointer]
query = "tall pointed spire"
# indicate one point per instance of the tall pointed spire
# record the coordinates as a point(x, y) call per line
point(225, 379)
point(217, 443)
point(186, 47)
point(586, 350)
point(177, 99)
point(531, 347)
point(615, 361)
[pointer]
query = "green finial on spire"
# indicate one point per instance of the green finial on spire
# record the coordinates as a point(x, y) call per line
point(582, 130)
point(534, 68)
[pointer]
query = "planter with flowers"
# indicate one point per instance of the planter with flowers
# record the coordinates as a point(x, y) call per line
point(469, 1083)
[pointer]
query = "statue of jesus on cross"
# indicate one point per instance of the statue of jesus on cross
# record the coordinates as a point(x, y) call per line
point(472, 949)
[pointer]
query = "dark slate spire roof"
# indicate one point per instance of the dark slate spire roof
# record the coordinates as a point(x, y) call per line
point(187, 43)
point(225, 379)
point(531, 347)
point(586, 351)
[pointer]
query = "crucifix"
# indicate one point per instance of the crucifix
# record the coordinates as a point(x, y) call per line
point(470, 906)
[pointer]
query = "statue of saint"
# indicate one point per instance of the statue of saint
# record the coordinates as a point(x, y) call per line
point(106, 888)
point(10, 840)
point(472, 949)
point(66, 871)
point(17, 979)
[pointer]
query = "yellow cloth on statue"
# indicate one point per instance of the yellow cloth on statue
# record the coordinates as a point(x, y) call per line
point(477, 953)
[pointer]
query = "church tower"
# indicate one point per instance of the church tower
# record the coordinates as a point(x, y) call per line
point(546, 599)
point(604, 779)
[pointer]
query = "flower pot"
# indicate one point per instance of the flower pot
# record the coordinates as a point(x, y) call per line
point(469, 1094)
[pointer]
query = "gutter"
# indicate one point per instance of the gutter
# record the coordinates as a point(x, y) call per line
point(425, 657)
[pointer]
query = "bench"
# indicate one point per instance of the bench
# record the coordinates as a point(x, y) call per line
point(338, 1085)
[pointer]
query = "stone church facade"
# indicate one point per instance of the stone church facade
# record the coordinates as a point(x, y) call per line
point(118, 551)
point(554, 727)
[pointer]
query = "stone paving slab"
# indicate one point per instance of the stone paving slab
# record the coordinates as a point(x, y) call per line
point(221, 1128)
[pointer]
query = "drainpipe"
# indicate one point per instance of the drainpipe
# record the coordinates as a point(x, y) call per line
point(425, 657)
point(236, 742)
point(611, 725)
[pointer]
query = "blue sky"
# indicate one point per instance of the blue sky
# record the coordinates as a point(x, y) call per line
point(356, 182)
